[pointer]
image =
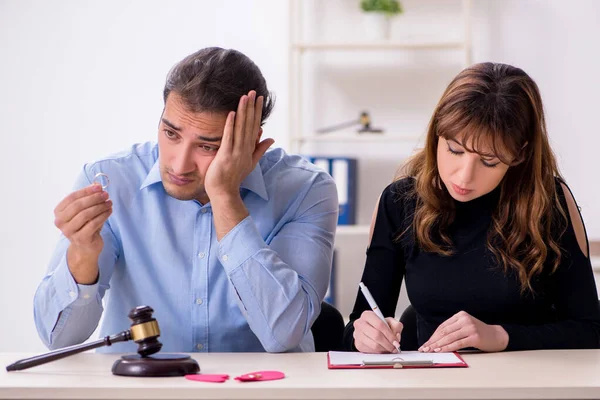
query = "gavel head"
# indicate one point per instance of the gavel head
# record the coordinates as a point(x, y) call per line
point(365, 119)
point(144, 330)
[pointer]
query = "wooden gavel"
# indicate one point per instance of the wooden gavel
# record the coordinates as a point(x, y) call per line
point(144, 331)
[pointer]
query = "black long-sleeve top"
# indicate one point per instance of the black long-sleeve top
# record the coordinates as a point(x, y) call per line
point(563, 312)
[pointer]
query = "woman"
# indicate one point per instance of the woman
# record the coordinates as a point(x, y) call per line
point(484, 229)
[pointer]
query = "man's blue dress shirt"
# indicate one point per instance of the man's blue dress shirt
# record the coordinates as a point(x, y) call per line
point(259, 289)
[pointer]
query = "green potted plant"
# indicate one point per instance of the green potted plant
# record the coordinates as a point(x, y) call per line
point(377, 15)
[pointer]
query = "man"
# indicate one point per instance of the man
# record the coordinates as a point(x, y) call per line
point(230, 245)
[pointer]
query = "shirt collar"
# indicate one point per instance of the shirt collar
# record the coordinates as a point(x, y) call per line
point(254, 182)
point(152, 177)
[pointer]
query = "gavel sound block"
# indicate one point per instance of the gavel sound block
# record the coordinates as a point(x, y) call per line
point(144, 331)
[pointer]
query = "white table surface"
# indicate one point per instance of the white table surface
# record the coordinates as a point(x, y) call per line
point(518, 375)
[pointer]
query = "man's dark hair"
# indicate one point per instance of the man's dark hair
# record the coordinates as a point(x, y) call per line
point(213, 79)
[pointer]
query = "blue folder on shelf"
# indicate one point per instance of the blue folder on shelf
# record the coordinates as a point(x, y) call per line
point(343, 171)
point(330, 295)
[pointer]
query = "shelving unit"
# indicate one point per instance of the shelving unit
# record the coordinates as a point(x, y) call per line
point(299, 47)
point(351, 240)
point(372, 45)
point(353, 229)
point(355, 137)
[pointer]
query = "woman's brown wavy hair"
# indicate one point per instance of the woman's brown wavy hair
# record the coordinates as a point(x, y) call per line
point(499, 105)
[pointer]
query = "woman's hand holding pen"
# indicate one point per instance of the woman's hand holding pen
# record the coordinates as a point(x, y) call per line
point(372, 335)
point(463, 330)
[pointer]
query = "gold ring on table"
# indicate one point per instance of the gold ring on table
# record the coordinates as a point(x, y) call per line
point(100, 177)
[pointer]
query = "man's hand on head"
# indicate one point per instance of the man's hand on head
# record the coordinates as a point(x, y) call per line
point(238, 155)
point(240, 149)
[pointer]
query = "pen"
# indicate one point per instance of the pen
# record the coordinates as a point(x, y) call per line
point(372, 304)
point(400, 364)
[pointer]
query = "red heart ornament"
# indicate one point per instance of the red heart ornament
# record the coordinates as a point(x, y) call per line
point(260, 376)
point(217, 378)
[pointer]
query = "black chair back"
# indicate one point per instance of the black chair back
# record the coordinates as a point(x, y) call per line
point(328, 329)
point(409, 331)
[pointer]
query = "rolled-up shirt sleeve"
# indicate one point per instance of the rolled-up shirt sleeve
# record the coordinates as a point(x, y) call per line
point(280, 281)
point(67, 313)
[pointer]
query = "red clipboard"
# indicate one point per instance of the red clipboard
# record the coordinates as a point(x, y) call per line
point(399, 364)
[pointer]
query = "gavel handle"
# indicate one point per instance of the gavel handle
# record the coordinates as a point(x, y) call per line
point(67, 351)
point(338, 126)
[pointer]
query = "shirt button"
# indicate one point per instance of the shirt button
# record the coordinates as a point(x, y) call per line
point(201, 254)
point(199, 301)
point(204, 210)
point(86, 296)
point(72, 293)
point(199, 346)
point(225, 258)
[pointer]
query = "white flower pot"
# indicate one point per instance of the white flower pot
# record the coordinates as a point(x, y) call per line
point(377, 26)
